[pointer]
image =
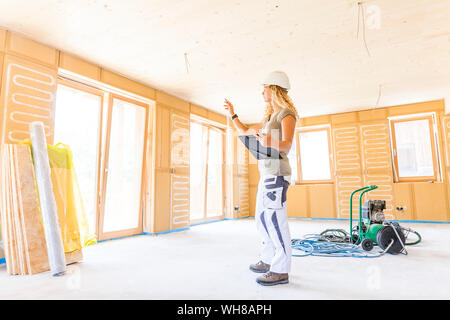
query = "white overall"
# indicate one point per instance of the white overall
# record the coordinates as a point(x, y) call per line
point(272, 222)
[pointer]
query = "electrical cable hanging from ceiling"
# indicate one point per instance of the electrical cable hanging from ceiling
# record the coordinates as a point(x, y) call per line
point(379, 96)
point(362, 12)
point(186, 62)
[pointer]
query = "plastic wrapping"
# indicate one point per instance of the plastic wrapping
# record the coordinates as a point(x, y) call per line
point(52, 231)
point(72, 216)
point(71, 212)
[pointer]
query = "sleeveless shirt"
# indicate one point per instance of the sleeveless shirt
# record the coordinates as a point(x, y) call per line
point(278, 167)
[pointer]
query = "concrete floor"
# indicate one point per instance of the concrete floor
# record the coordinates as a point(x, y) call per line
point(210, 261)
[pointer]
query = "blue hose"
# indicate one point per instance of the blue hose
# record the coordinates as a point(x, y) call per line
point(322, 247)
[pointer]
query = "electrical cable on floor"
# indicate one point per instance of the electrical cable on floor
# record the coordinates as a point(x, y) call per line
point(337, 243)
point(320, 246)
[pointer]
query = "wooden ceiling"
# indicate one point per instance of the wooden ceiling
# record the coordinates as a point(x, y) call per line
point(340, 55)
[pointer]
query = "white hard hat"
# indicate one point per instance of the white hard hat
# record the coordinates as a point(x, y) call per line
point(278, 78)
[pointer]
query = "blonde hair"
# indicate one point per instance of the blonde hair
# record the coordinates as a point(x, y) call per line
point(280, 97)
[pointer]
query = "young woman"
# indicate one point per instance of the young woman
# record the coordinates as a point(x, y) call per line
point(275, 131)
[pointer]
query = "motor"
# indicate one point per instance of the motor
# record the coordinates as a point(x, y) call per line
point(373, 229)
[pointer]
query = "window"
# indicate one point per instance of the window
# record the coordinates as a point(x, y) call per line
point(77, 124)
point(314, 155)
point(107, 135)
point(292, 156)
point(414, 149)
point(206, 171)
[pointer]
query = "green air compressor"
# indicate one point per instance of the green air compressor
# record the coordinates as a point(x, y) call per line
point(373, 229)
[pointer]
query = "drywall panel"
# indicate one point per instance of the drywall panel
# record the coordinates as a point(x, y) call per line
point(126, 84)
point(298, 201)
point(37, 52)
point(179, 169)
point(172, 101)
point(429, 204)
point(403, 202)
point(28, 94)
point(322, 201)
point(79, 66)
point(199, 111)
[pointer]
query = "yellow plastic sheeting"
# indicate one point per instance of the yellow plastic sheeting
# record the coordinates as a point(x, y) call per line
point(72, 216)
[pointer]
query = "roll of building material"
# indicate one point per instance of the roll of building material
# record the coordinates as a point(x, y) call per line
point(52, 231)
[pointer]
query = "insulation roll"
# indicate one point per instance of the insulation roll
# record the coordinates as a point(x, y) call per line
point(52, 231)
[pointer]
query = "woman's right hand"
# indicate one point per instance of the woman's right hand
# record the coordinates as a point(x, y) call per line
point(229, 107)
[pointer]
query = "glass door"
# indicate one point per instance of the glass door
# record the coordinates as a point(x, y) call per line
point(123, 168)
point(214, 180)
point(206, 172)
point(199, 138)
point(77, 123)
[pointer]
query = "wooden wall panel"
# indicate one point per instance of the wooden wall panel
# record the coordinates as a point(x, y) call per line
point(2, 32)
point(298, 201)
point(2, 40)
point(173, 102)
point(2, 56)
point(32, 50)
point(376, 162)
point(28, 94)
point(446, 147)
point(429, 204)
point(373, 114)
point(161, 220)
point(126, 84)
point(314, 121)
point(421, 107)
point(322, 201)
point(403, 198)
point(161, 190)
point(162, 138)
point(216, 117)
point(253, 180)
point(243, 180)
point(79, 66)
point(198, 111)
point(179, 172)
point(347, 165)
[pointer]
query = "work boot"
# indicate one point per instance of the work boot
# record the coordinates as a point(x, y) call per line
point(260, 267)
point(271, 278)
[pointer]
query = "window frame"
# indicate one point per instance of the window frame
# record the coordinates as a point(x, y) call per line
point(300, 130)
point(108, 94)
point(433, 142)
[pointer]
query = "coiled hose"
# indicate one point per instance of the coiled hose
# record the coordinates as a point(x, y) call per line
point(337, 243)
